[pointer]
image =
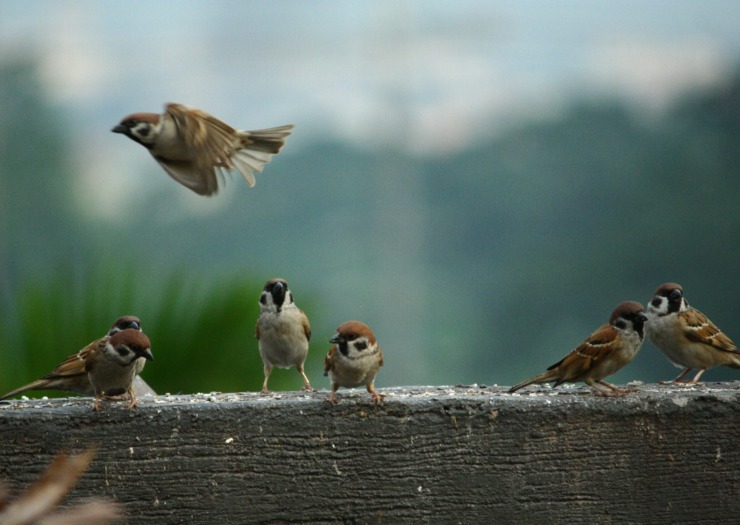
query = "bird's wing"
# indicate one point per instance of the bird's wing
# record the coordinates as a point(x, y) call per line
point(599, 345)
point(306, 326)
point(74, 365)
point(329, 361)
point(211, 143)
point(698, 328)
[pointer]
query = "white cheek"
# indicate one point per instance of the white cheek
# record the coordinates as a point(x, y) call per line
point(660, 309)
point(354, 352)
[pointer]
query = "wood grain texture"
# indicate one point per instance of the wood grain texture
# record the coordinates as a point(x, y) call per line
point(427, 455)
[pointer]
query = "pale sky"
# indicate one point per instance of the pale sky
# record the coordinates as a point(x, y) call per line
point(430, 77)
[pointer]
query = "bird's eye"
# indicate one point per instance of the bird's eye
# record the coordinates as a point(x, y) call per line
point(351, 337)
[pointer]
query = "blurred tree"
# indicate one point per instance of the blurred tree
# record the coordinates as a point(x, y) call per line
point(36, 219)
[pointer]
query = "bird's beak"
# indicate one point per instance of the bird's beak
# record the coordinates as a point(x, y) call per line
point(278, 293)
point(336, 339)
point(642, 317)
point(147, 354)
point(675, 295)
point(119, 129)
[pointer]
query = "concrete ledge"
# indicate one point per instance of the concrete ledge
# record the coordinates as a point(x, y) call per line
point(427, 455)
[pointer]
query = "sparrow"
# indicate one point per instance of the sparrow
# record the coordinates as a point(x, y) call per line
point(606, 351)
point(111, 364)
point(354, 359)
point(194, 147)
point(686, 336)
point(71, 376)
point(283, 331)
point(141, 388)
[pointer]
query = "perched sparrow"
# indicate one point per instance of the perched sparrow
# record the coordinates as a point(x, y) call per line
point(111, 364)
point(193, 146)
point(686, 336)
point(607, 350)
point(354, 360)
point(141, 387)
point(282, 330)
point(71, 376)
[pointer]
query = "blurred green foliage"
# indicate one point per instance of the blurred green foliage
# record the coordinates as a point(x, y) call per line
point(202, 330)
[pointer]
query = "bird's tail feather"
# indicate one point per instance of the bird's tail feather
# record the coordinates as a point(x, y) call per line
point(544, 377)
point(39, 384)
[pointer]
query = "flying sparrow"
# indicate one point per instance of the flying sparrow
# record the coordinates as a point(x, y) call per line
point(686, 336)
point(607, 350)
point(283, 331)
point(71, 376)
point(354, 360)
point(194, 147)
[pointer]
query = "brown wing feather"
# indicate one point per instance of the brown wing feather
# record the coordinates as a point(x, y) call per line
point(381, 357)
point(74, 365)
point(186, 174)
point(700, 329)
point(211, 143)
point(587, 355)
point(257, 332)
point(329, 361)
point(218, 148)
point(211, 139)
point(306, 326)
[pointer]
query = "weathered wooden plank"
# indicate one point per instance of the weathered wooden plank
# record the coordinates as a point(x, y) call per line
point(428, 454)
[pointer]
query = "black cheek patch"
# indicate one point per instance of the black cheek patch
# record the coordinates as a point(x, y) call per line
point(361, 345)
point(640, 328)
point(656, 302)
point(621, 324)
point(122, 351)
point(263, 299)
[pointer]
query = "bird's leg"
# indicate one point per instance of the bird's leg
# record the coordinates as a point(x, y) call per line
point(695, 381)
point(97, 403)
point(618, 391)
point(268, 371)
point(371, 389)
point(132, 403)
point(605, 393)
point(307, 385)
point(678, 379)
point(333, 398)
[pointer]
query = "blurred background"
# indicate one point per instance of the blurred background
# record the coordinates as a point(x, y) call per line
point(480, 182)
